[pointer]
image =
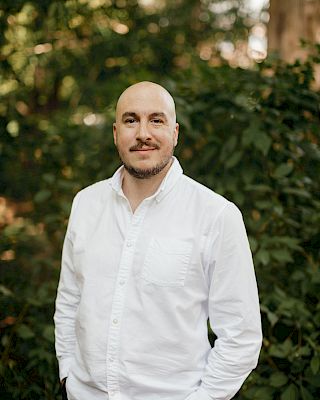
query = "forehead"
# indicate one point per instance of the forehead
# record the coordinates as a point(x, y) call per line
point(145, 101)
point(148, 114)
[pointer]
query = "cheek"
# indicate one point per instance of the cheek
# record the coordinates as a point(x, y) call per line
point(164, 137)
point(170, 141)
point(123, 140)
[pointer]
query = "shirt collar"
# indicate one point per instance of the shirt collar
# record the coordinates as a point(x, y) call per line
point(168, 182)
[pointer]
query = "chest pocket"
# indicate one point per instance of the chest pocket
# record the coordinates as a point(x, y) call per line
point(167, 261)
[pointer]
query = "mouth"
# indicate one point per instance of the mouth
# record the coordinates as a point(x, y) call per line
point(143, 149)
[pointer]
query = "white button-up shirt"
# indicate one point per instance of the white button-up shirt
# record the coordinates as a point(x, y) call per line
point(136, 291)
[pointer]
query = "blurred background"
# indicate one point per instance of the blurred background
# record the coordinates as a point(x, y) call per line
point(245, 76)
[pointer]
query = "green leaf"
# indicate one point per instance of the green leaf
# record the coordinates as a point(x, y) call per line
point(42, 196)
point(4, 340)
point(281, 350)
point(263, 256)
point(48, 333)
point(305, 394)
point(48, 178)
point(272, 317)
point(253, 243)
point(291, 393)
point(292, 243)
point(25, 332)
point(278, 379)
point(259, 188)
point(315, 363)
point(249, 135)
point(228, 148)
point(281, 255)
point(298, 276)
point(5, 291)
point(233, 160)
point(263, 143)
point(304, 351)
point(264, 204)
point(281, 293)
point(282, 170)
point(264, 393)
point(297, 192)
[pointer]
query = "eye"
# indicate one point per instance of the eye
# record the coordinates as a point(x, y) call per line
point(130, 120)
point(157, 121)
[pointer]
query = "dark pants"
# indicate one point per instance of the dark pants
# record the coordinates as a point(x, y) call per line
point(64, 391)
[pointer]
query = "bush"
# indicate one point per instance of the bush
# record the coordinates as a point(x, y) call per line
point(251, 135)
point(254, 137)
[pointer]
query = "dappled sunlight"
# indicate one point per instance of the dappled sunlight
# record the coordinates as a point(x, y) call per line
point(249, 130)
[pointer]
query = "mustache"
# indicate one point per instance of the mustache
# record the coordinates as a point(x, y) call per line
point(141, 145)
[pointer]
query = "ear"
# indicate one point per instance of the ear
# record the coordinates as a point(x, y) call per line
point(176, 134)
point(114, 128)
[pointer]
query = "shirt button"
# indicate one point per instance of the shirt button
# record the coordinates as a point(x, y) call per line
point(122, 282)
point(129, 244)
point(115, 321)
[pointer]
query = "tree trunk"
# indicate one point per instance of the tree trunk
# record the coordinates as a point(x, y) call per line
point(290, 21)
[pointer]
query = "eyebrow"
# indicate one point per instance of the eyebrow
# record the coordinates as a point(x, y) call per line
point(135, 115)
point(128, 114)
point(158, 114)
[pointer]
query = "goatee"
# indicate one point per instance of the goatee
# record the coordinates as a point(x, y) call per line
point(140, 173)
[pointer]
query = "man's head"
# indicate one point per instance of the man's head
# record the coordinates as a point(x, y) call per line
point(145, 132)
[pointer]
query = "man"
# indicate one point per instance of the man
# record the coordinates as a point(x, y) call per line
point(149, 256)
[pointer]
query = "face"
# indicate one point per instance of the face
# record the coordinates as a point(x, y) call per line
point(145, 131)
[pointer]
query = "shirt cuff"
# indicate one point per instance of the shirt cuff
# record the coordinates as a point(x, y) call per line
point(64, 366)
point(199, 394)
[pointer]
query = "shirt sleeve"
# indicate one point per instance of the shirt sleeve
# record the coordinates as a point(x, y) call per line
point(234, 311)
point(68, 297)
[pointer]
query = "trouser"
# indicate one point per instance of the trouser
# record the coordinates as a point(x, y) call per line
point(64, 392)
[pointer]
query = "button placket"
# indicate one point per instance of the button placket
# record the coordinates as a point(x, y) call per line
point(119, 300)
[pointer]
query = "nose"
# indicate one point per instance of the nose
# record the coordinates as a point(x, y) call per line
point(143, 133)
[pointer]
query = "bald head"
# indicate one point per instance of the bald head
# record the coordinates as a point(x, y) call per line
point(145, 132)
point(143, 93)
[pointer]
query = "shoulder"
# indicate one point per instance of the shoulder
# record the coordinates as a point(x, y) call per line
point(88, 203)
point(208, 201)
point(97, 192)
point(202, 193)
point(96, 189)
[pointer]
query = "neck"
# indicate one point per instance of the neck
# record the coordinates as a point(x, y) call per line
point(136, 190)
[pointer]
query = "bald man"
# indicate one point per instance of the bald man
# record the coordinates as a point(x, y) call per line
point(149, 256)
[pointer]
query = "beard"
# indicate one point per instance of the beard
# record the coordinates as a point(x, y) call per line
point(145, 173)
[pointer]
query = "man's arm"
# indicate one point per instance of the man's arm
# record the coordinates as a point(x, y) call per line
point(233, 311)
point(68, 297)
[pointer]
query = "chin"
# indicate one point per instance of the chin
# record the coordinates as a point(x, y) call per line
point(144, 170)
point(144, 163)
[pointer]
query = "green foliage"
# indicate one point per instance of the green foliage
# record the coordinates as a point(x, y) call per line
point(251, 135)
